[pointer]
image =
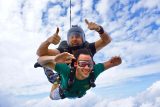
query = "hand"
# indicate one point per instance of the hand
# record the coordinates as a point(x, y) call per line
point(55, 39)
point(92, 26)
point(116, 60)
point(64, 57)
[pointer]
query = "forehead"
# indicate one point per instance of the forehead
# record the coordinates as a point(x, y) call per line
point(84, 57)
point(75, 34)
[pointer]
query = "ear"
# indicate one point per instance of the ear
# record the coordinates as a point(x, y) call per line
point(75, 64)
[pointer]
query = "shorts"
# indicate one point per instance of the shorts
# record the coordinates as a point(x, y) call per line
point(55, 94)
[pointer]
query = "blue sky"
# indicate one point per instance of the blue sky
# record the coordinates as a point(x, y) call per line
point(133, 26)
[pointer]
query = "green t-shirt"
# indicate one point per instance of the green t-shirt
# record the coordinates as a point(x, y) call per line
point(79, 87)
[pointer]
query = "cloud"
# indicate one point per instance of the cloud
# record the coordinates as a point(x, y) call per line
point(134, 37)
point(89, 100)
point(148, 98)
point(146, 4)
point(118, 75)
point(8, 100)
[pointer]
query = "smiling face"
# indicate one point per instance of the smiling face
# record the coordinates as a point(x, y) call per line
point(84, 66)
point(75, 40)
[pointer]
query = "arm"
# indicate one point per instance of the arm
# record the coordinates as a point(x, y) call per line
point(104, 37)
point(43, 48)
point(103, 41)
point(47, 61)
point(114, 61)
point(51, 61)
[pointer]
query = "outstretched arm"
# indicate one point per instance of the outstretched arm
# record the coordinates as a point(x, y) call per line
point(43, 48)
point(51, 61)
point(114, 61)
point(104, 37)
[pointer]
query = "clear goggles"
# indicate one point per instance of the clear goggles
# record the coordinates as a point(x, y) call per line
point(83, 63)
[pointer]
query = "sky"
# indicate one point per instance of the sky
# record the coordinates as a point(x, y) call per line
point(133, 25)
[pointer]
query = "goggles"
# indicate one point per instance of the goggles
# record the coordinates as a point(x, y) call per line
point(83, 63)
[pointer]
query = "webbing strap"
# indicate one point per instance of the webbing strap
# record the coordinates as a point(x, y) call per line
point(70, 13)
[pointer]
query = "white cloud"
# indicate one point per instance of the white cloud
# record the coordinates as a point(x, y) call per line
point(31, 14)
point(158, 21)
point(118, 75)
point(151, 94)
point(103, 5)
point(148, 98)
point(146, 4)
point(87, 5)
point(8, 100)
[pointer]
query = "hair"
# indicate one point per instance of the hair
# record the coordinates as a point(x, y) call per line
point(82, 51)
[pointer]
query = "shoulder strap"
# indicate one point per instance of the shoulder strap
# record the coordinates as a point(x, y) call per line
point(64, 46)
point(92, 79)
point(71, 75)
point(71, 78)
point(86, 45)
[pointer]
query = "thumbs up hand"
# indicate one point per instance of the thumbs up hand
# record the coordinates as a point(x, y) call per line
point(55, 38)
point(92, 25)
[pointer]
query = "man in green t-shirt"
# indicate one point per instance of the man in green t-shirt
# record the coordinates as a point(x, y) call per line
point(83, 68)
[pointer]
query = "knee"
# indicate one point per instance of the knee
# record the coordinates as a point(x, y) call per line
point(54, 94)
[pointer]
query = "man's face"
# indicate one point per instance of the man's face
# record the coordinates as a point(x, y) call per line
point(75, 40)
point(84, 65)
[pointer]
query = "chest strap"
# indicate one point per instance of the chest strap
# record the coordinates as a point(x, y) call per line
point(61, 93)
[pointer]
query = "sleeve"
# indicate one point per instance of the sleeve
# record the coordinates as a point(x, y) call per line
point(62, 46)
point(98, 68)
point(62, 68)
point(92, 48)
point(61, 50)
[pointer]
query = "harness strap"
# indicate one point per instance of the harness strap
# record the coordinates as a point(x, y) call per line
point(61, 93)
point(92, 79)
point(71, 78)
point(70, 13)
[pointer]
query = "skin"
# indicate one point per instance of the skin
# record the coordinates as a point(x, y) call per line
point(75, 40)
point(83, 72)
